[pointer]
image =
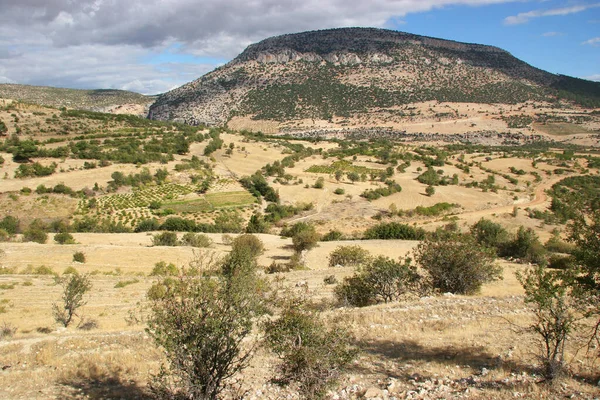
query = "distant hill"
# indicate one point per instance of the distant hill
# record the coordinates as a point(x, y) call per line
point(354, 71)
point(105, 100)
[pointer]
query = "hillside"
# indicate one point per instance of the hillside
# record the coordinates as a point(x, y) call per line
point(105, 100)
point(352, 73)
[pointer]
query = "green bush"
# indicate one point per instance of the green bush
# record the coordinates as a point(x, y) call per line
point(147, 225)
point(64, 238)
point(348, 256)
point(165, 239)
point(525, 246)
point(339, 191)
point(161, 268)
point(249, 245)
point(319, 183)
point(196, 240)
point(35, 235)
point(457, 264)
point(381, 279)
point(394, 230)
point(332, 235)
point(10, 224)
point(305, 239)
point(489, 234)
point(79, 257)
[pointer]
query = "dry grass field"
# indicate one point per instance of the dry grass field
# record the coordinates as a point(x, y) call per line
point(430, 347)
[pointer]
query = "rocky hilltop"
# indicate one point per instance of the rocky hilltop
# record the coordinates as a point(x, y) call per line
point(351, 72)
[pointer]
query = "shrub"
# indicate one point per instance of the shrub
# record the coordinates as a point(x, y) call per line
point(557, 261)
point(554, 319)
point(339, 191)
point(305, 239)
point(275, 268)
point(35, 235)
point(258, 224)
point(7, 330)
point(429, 190)
point(202, 324)
point(348, 256)
point(64, 238)
point(319, 183)
point(311, 355)
point(161, 268)
point(394, 230)
point(251, 245)
point(332, 235)
point(330, 280)
point(79, 257)
point(526, 246)
point(41, 270)
point(489, 234)
point(10, 224)
point(555, 244)
point(382, 279)
point(196, 240)
point(74, 288)
point(4, 236)
point(70, 270)
point(147, 225)
point(122, 284)
point(457, 264)
point(165, 239)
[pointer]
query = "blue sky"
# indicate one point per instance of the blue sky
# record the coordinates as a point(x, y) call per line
point(553, 43)
point(152, 46)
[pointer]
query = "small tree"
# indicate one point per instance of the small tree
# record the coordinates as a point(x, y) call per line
point(353, 176)
point(311, 355)
point(75, 286)
point(429, 190)
point(202, 323)
point(554, 319)
point(339, 174)
point(457, 264)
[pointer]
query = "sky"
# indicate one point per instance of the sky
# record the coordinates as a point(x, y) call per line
point(152, 46)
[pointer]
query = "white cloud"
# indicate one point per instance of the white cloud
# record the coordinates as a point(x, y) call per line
point(593, 41)
point(527, 16)
point(103, 43)
point(595, 77)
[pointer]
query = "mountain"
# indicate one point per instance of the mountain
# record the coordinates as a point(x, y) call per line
point(104, 100)
point(351, 72)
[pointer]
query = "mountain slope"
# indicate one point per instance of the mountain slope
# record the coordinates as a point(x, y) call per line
point(105, 100)
point(353, 71)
